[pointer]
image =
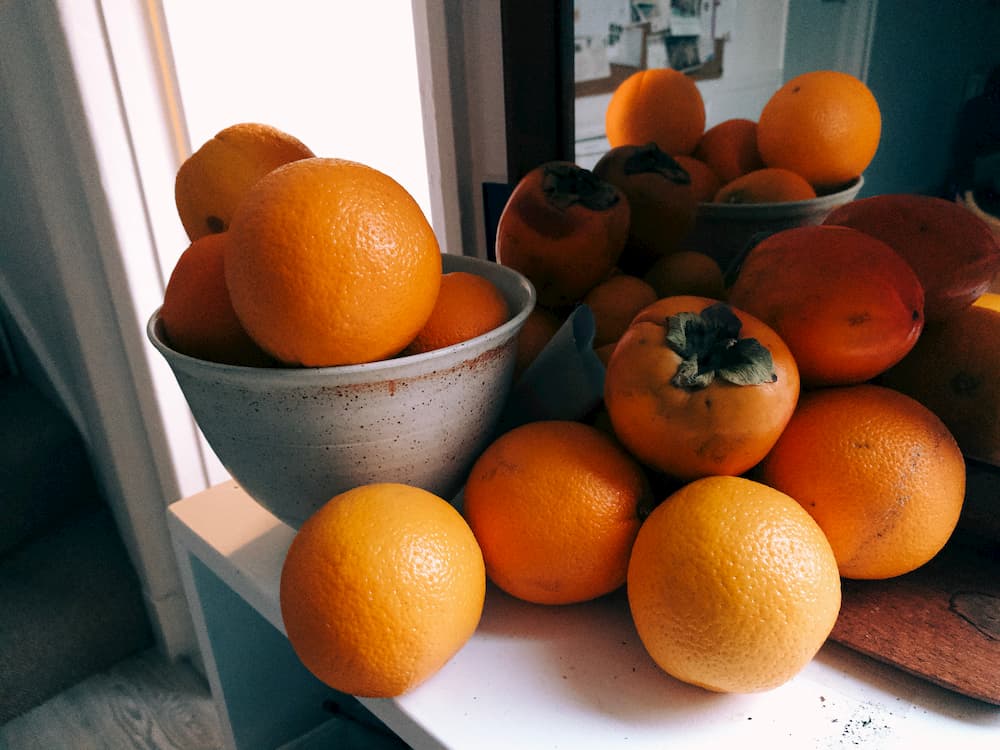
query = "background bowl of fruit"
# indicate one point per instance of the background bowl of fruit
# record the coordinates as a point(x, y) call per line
point(319, 334)
point(725, 229)
point(802, 157)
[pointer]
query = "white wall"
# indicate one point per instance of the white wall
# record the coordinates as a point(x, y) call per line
point(341, 77)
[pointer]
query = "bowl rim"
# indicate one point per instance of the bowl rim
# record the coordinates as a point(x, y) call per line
point(384, 366)
point(730, 210)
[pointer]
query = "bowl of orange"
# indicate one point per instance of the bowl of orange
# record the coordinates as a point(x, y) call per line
point(293, 437)
point(724, 230)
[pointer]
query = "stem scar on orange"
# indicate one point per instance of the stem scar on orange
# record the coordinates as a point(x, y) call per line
point(564, 229)
point(212, 181)
point(696, 387)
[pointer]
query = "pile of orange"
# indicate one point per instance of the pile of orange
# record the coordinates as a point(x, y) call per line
point(298, 260)
point(786, 417)
point(759, 438)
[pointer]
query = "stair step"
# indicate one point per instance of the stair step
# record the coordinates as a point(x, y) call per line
point(44, 467)
point(72, 606)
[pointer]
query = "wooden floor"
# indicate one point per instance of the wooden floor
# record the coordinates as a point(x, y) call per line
point(149, 703)
point(144, 702)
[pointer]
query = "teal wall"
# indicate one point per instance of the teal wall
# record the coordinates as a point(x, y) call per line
point(926, 55)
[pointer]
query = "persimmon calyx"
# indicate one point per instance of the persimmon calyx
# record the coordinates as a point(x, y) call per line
point(710, 346)
point(566, 185)
point(650, 158)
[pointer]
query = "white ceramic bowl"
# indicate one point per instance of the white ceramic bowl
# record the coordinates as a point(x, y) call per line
point(295, 437)
point(724, 230)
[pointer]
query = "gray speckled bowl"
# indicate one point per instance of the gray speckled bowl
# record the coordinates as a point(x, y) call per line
point(723, 230)
point(295, 437)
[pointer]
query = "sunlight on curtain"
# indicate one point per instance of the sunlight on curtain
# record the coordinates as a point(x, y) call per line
point(340, 76)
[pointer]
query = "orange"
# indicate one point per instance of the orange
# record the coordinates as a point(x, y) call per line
point(604, 353)
point(467, 306)
point(212, 181)
point(687, 272)
point(881, 474)
point(954, 370)
point(954, 253)
point(614, 303)
point(768, 185)
point(556, 506)
point(732, 586)
point(989, 300)
point(695, 387)
point(730, 148)
point(825, 125)
point(538, 329)
point(564, 229)
point(704, 182)
point(658, 105)
point(331, 263)
point(661, 200)
point(197, 314)
point(848, 306)
point(380, 588)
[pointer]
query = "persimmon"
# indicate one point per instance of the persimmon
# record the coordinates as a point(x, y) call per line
point(661, 197)
point(564, 229)
point(687, 272)
point(534, 336)
point(696, 387)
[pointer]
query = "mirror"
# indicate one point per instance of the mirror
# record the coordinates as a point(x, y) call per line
point(922, 61)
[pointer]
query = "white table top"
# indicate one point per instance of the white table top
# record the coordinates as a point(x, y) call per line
point(577, 676)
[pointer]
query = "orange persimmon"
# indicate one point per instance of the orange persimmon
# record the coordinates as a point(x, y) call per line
point(695, 387)
point(661, 198)
point(564, 229)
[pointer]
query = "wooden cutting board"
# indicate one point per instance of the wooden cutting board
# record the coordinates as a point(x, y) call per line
point(942, 621)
